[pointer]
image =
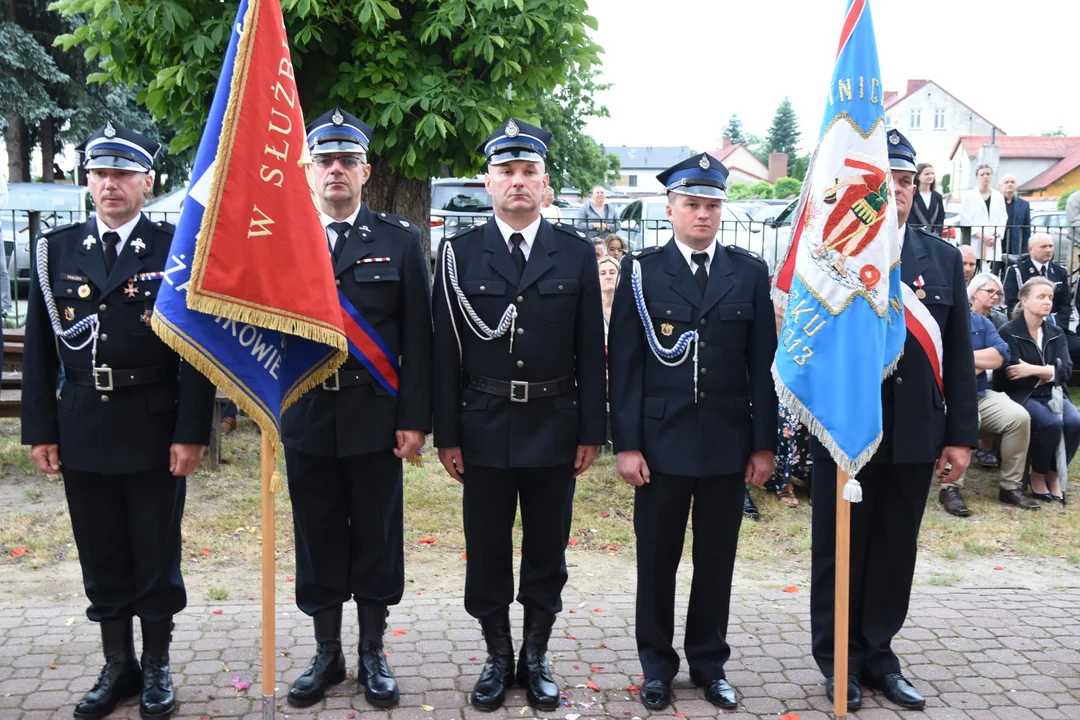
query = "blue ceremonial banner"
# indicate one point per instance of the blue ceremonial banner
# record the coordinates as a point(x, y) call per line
point(844, 326)
point(248, 295)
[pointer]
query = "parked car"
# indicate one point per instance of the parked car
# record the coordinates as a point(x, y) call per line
point(57, 205)
point(457, 203)
point(166, 207)
point(644, 224)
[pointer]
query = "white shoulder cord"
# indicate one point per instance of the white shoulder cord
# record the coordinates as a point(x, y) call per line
point(90, 322)
point(479, 328)
point(675, 355)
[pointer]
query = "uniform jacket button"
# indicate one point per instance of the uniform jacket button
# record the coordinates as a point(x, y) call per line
point(483, 288)
point(338, 281)
point(668, 312)
point(104, 337)
point(521, 363)
point(899, 381)
point(701, 321)
point(519, 298)
point(560, 287)
point(102, 307)
point(701, 344)
point(701, 395)
point(104, 398)
point(521, 331)
point(704, 371)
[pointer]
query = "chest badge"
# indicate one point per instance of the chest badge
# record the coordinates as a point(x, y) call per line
point(131, 290)
point(666, 329)
point(89, 242)
point(139, 245)
point(69, 313)
point(84, 291)
point(919, 282)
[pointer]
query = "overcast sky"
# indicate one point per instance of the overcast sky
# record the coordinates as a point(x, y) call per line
point(680, 68)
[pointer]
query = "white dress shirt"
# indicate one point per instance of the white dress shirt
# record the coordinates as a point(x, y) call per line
point(688, 251)
point(326, 220)
point(528, 232)
point(124, 231)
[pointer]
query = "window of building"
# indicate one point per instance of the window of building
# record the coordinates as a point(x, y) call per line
point(939, 118)
point(916, 118)
point(631, 180)
point(888, 121)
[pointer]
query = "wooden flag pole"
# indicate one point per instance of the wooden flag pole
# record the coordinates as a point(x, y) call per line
point(842, 602)
point(269, 457)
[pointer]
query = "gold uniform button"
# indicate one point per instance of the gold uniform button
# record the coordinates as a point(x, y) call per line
point(101, 307)
point(521, 363)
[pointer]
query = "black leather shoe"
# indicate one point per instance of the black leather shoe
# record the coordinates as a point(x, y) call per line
point(899, 690)
point(721, 694)
point(749, 509)
point(498, 674)
point(327, 667)
point(1017, 498)
point(158, 697)
point(854, 692)
point(121, 676)
point(380, 687)
point(533, 671)
point(954, 504)
point(655, 694)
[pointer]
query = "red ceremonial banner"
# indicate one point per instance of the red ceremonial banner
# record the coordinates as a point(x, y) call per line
point(261, 236)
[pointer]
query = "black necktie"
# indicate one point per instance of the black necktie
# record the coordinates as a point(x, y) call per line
point(1042, 271)
point(702, 278)
point(517, 253)
point(342, 229)
point(110, 240)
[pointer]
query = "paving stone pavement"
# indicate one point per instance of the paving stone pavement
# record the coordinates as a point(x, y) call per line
point(985, 654)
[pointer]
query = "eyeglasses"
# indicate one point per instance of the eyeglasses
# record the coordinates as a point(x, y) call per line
point(991, 293)
point(347, 161)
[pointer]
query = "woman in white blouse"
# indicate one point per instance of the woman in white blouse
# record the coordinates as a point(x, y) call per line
point(983, 210)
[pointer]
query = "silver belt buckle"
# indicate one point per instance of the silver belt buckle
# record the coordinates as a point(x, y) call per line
point(336, 377)
point(519, 391)
point(106, 373)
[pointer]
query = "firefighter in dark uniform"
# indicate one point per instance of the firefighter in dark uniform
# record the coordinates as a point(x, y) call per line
point(345, 441)
point(130, 422)
point(920, 427)
point(519, 402)
point(693, 417)
point(1039, 260)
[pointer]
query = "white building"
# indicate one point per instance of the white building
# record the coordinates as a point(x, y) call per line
point(638, 167)
point(933, 120)
point(1025, 157)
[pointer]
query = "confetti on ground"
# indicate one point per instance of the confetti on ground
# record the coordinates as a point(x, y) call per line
point(428, 540)
point(592, 686)
point(288, 579)
point(219, 611)
point(242, 685)
point(633, 689)
point(473, 659)
point(572, 541)
point(998, 567)
point(572, 637)
point(605, 513)
point(612, 547)
point(679, 714)
point(429, 708)
point(18, 552)
point(791, 588)
point(789, 716)
point(464, 556)
point(598, 609)
point(399, 633)
point(205, 552)
point(603, 645)
point(595, 668)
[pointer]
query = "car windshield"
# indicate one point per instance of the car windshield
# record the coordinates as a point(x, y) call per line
point(461, 198)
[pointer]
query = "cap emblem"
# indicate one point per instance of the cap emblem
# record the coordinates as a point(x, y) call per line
point(512, 129)
point(894, 139)
point(337, 118)
point(704, 162)
point(110, 131)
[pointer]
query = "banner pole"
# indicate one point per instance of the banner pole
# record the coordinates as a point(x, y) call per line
point(842, 602)
point(268, 458)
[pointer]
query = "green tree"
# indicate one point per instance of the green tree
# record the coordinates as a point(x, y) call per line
point(738, 191)
point(574, 159)
point(1064, 199)
point(798, 170)
point(734, 129)
point(784, 133)
point(1059, 131)
point(787, 187)
point(761, 190)
point(946, 183)
point(432, 78)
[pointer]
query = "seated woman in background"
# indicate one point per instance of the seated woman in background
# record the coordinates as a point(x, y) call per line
point(1040, 360)
point(598, 246)
point(609, 279)
point(984, 293)
point(616, 246)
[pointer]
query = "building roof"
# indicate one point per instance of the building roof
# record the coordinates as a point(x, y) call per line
point(1053, 173)
point(753, 166)
point(892, 99)
point(648, 158)
point(1019, 146)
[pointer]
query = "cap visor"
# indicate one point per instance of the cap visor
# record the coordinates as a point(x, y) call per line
point(338, 146)
point(900, 164)
point(511, 155)
point(111, 162)
point(704, 191)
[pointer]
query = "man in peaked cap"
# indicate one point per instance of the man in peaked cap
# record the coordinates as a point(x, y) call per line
point(519, 402)
point(693, 419)
point(345, 441)
point(131, 422)
point(921, 426)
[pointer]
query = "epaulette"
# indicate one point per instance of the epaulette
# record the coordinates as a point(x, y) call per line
point(926, 233)
point(645, 252)
point(462, 233)
point(743, 251)
point(398, 222)
point(53, 230)
point(164, 226)
point(570, 230)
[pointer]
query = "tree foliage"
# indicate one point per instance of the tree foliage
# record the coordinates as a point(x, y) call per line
point(784, 133)
point(1064, 199)
point(574, 159)
point(734, 129)
point(26, 72)
point(798, 170)
point(787, 187)
point(761, 190)
point(432, 77)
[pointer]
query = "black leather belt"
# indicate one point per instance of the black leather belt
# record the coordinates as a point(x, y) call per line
point(346, 378)
point(519, 390)
point(107, 378)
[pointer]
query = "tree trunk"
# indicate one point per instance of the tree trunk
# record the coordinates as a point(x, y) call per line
point(18, 147)
point(48, 150)
point(390, 191)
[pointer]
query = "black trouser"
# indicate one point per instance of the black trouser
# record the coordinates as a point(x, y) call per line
point(884, 541)
point(661, 509)
point(348, 523)
point(490, 504)
point(127, 531)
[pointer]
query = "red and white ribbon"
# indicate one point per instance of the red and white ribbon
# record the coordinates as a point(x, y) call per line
point(921, 324)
